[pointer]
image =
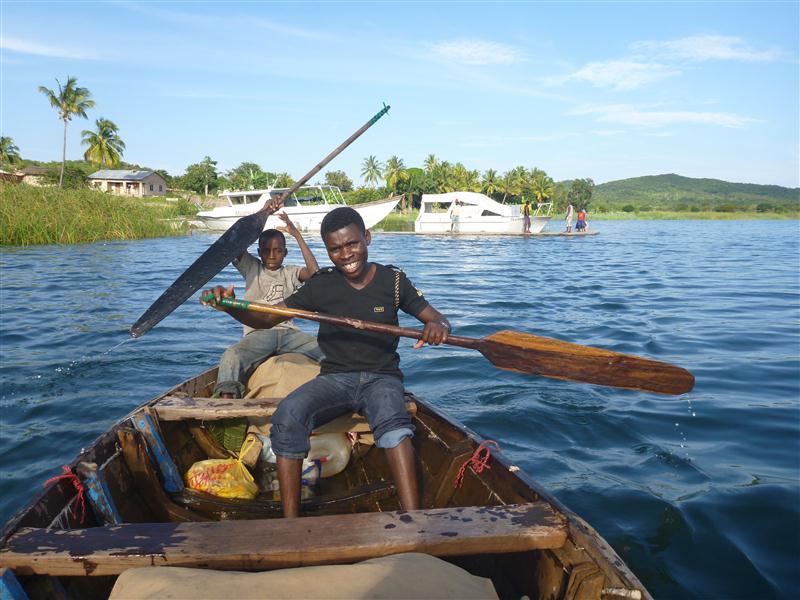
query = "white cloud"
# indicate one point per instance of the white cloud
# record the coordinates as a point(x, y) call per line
point(705, 47)
point(626, 114)
point(477, 52)
point(622, 74)
point(28, 47)
point(608, 132)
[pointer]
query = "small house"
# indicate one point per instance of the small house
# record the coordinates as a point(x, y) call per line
point(138, 184)
point(34, 175)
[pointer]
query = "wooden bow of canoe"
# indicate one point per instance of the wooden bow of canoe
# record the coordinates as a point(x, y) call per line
point(499, 523)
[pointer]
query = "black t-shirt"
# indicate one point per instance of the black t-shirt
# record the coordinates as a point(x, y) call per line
point(346, 349)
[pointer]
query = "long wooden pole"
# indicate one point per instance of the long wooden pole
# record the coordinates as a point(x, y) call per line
point(230, 245)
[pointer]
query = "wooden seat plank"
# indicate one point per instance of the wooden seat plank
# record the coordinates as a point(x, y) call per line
point(179, 408)
point(279, 543)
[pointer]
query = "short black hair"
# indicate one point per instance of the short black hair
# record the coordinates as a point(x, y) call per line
point(268, 234)
point(339, 218)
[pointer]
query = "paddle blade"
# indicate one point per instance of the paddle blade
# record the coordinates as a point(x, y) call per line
point(230, 245)
point(535, 355)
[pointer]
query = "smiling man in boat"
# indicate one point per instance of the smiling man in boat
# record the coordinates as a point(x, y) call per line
point(268, 280)
point(361, 369)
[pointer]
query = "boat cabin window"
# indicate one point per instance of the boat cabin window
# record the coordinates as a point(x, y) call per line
point(488, 213)
point(253, 198)
point(290, 202)
point(310, 200)
point(237, 199)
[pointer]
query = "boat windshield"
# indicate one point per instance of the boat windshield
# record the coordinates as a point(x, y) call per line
point(312, 196)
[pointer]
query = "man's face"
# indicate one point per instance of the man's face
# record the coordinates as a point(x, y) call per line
point(272, 253)
point(347, 249)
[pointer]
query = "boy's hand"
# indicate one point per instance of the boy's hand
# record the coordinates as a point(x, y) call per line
point(435, 333)
point(274, 204)
point(218, 292)
point(289, 227)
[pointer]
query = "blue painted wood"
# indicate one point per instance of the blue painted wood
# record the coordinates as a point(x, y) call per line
point(99, 495)
point(172, 479)
point(10, 588)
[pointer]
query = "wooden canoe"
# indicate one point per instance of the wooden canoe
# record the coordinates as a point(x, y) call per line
point(499, 524)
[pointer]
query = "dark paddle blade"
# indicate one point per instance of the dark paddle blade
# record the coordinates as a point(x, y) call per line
point(230, 245)
point(535, 355)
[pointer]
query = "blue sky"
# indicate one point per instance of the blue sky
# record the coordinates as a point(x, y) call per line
point(579, 89)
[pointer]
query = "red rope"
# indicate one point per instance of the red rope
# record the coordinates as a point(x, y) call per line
point(76, 483)
point(478, 462)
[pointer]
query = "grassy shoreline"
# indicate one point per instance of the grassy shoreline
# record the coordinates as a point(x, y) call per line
point(47, 215)
point(32, 216)
point(405, 222)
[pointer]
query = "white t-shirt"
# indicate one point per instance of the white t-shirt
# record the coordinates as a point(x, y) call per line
point(265, 286)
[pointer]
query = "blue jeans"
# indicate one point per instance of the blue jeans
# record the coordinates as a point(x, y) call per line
point(378, 397)
point(241, 359)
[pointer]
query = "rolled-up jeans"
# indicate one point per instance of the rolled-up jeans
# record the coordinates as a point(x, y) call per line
point(379, 398)
point(241, 359)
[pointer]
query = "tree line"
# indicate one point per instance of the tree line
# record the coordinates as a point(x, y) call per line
point(105, 149)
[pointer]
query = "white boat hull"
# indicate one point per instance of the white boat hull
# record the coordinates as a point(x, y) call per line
point(305, 218)
point(474, 213)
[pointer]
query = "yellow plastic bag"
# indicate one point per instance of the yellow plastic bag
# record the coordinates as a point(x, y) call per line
point(224, 477)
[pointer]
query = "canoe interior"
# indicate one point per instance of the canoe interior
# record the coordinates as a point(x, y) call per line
point(583, 566)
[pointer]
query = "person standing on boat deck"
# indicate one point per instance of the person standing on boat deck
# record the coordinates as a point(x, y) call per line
point(268, 280)
point(581, 224)
point(569, 217)
point(361, 369)
point(526, 217)
point(455, 216)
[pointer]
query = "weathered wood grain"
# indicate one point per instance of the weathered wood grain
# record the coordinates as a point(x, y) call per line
point(279, 543)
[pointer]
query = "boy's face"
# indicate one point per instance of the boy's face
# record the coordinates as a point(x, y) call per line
point(272, 253)
point(347, 249)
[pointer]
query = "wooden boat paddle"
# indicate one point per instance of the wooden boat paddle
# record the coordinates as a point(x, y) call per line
point(230, 245)
point(524, 353)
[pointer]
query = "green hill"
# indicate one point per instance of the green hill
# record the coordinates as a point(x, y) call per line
point(674, 192)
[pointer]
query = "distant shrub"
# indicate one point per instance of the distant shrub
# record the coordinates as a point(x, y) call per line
point(628, 208)
point(681, 207)
point(725, 208)
point(695, 209)
point(765, 207)
point(645, 209)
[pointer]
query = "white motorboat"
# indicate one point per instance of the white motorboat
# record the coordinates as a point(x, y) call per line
point(476, 213)
point(306, 207)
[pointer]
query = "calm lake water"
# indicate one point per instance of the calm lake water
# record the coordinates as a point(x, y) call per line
point(699, 494)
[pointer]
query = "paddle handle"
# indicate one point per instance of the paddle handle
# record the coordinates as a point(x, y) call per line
point(282, 311)
point(332, 155)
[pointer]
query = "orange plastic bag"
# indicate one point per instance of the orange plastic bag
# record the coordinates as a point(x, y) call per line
point(224, 477)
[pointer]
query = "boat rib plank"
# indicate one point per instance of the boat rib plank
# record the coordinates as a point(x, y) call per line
point(280, 543)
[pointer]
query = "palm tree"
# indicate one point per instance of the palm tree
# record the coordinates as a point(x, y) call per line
point(9, 153)
point(430, 163)
point(371, 170)
point(70, 100)
point(541, 185)
point(490, 182)
point(105, 145)
point(394, 172)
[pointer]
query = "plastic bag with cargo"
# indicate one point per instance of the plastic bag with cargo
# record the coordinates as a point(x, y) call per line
point(223, 477)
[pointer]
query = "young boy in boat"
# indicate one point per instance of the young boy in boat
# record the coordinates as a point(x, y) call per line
point(269, 281)
point(361, 369)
